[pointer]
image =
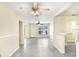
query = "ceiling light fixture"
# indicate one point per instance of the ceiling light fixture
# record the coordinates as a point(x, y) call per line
point(35, 8)
point(35, 13)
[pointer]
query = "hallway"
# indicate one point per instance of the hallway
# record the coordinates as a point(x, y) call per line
point(39, 29)
point(41, 47)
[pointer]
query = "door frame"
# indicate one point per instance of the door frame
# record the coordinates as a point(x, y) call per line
point(21, 33)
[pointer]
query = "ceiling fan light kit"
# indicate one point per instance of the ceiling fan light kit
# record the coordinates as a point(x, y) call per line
point(35, 8)
point(35, 13)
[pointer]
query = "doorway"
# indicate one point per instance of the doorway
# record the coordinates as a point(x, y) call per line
point(39, 31)
point(21, 33)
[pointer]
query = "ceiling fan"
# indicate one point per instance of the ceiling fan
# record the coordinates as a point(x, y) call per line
point(36, 8)
point(38, 23)
point(36, 11)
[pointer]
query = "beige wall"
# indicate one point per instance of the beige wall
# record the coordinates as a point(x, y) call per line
point(66, 24)
point(59, 42)
point(59, 32)
point(59, 24)
point(9, 26)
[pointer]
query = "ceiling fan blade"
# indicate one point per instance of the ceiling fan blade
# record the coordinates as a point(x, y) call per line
point(47, 9)
point(44, 9)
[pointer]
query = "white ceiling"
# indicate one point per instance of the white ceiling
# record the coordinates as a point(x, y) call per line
point(72, 10)
point(55, 9)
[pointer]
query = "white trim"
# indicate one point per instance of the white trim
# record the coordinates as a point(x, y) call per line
point(59, 49)
point(13, 52)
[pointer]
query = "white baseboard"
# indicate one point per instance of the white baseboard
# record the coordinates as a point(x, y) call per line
point(59, 49)
point(13, 52)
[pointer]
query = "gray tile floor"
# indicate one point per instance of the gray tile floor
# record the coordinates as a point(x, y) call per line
point(42, 48)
